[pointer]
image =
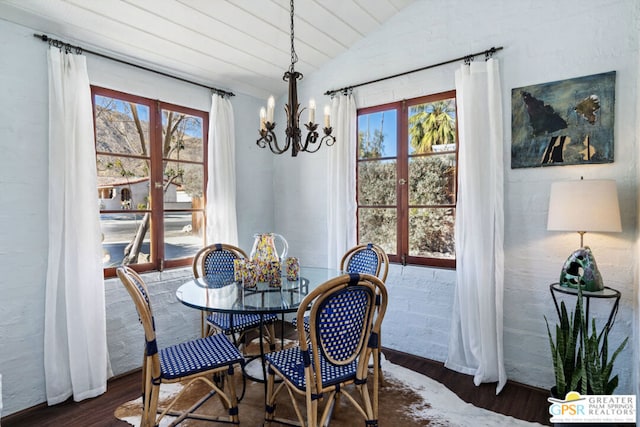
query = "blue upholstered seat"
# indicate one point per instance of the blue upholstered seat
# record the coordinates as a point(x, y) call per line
point(197, 356)
point(290, 364)
point(240, 322)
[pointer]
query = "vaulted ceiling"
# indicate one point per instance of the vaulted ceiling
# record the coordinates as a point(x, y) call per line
point(235, 45)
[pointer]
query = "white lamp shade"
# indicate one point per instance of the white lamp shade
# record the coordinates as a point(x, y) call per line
point(585, 205)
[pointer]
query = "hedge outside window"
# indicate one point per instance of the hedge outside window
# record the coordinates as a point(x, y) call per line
point(406, 179)
point(151, 167)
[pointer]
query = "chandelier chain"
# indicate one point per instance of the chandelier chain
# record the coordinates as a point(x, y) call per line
point(294, 55)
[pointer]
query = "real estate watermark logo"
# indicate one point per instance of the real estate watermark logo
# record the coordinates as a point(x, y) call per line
point(593, 408)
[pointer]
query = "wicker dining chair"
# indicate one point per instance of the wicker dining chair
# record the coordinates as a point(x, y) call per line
point(331, 360)
point(211, 360)
point(218, 259)
point(367, 258)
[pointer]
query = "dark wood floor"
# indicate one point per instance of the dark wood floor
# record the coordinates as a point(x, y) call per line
point(517, 400)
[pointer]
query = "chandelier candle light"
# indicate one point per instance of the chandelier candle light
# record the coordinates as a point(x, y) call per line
point(292, 109)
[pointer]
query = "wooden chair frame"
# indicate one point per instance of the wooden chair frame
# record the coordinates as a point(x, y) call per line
point(153, 377)
point(382, 270)
point(311, 344)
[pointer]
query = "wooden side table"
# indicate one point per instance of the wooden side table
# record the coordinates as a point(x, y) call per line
point(606, 293)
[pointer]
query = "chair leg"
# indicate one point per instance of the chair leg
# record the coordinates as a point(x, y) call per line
point(312, 411)
point(233, 396)
point(271, 336)
point(269, 410)
point(150, 407)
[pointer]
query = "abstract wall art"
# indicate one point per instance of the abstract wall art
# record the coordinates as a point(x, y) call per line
point(567, 122)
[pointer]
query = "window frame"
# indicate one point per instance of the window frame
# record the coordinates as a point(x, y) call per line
point(157, 242)
point(402, 158)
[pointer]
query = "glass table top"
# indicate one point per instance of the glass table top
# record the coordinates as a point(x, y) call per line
point(220, 293)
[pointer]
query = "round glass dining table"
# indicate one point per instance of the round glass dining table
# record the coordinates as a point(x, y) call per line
point(220, 293)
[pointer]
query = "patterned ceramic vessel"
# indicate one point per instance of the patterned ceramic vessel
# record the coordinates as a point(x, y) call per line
point(293, 268)
point(275, 274)
point(249, 276)
point(239, 266)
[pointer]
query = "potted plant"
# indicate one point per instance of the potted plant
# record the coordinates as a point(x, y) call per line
point(581, 357)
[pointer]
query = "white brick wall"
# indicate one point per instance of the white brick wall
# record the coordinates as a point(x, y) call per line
point(544, 40)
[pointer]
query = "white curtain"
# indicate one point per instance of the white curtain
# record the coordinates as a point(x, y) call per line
point(222, 223)
point(75, 338)
point(475, 344)
point(342, 180)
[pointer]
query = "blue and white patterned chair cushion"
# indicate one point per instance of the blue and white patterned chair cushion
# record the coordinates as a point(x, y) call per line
point(289, 363)
point(197, 356)
point(241, 322)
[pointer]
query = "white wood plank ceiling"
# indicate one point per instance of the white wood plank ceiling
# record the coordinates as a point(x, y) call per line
point(236, 45)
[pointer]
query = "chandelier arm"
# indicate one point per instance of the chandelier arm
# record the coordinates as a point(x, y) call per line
point(268, 138)
point(328, 139)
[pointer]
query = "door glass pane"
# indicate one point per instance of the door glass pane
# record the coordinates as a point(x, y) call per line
point(183, 234)
point(121, 126)
point(183, 182)
point(124, 183)
point(118, 231)
point(377, 182)
point(432, 126)
point(431, 232)
point(432, 180)
point(378, 225)
point(185, 141)
point(377, 135)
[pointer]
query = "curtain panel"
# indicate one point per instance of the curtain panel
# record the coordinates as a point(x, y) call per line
point(341, 214)
point(75, 338)
point(222, 223)
point(476, 338)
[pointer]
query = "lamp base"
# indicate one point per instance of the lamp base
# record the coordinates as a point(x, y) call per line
point(580, 270)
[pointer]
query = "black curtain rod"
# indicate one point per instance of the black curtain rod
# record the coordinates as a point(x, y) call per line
point(69, 47)
point(468, 58)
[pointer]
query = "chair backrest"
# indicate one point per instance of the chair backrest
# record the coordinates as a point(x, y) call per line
point(138, 291)
point(367, 258)
point(342, 326)
point(216, 258)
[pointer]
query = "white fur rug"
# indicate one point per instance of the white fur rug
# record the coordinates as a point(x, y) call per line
point(424, 401)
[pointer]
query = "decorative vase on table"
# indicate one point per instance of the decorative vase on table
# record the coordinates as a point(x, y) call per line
point(265, 252)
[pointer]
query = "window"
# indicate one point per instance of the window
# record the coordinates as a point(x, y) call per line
point(406, 179)
point(151, 155)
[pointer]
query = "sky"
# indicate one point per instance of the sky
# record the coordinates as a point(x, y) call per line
point(388, 121)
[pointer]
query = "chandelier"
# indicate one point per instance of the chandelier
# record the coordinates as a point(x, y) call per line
point(312, 142)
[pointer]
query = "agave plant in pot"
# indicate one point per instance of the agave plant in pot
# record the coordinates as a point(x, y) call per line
point(580, 354)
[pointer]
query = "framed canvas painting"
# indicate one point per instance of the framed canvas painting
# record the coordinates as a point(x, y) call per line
point(567, 122)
